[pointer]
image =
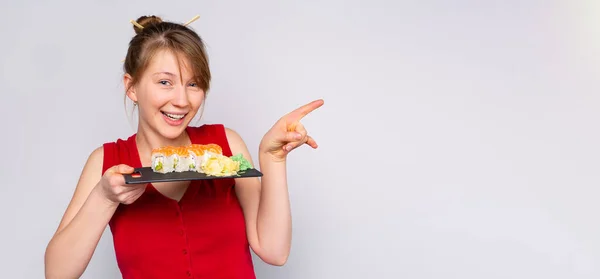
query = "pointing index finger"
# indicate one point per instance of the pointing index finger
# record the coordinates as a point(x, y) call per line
point(302, 111)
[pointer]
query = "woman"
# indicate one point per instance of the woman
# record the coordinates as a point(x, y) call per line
point(198, 229)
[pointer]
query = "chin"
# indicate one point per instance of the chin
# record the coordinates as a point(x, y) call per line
point(171, 133)
point(172, 128)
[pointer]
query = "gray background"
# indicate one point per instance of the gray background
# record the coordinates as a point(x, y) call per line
point(474, 124)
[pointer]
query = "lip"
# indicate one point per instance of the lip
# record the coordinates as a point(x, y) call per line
point(176, 113)
point(173, 122)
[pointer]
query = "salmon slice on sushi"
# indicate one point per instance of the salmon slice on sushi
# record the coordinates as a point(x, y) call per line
point(200, 153)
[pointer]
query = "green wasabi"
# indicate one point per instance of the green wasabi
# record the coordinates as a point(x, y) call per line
point(244, 164)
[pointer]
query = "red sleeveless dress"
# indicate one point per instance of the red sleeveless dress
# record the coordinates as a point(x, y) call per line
point(201, 236)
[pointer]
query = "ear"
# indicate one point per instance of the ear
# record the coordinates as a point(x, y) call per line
point(129, 88)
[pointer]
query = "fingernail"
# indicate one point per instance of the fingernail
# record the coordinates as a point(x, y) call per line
point(298, 136)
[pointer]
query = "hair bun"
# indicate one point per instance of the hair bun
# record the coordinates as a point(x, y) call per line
point(146, 21)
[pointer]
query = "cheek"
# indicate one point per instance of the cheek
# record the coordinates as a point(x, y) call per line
point(196, 99)
point(156, 98)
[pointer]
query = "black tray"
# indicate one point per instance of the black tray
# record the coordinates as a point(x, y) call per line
point(147, 175)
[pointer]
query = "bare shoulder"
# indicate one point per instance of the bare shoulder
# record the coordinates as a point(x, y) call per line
point(92, 170)
point(237, 144)
point(95, 159)
point(234, 138)
point(89, 177)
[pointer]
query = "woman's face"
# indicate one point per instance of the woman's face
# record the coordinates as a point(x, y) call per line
point(167, 95)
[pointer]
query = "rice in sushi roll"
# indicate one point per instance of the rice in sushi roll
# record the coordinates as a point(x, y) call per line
point(163, 159)
point(181, 160)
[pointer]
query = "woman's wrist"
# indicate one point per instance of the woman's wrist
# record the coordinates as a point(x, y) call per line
point(268, 158)
point(99, 194)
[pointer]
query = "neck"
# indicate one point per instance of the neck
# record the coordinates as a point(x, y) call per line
point(147, 139)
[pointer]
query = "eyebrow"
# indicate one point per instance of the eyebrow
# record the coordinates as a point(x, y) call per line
point(195, 78)
point(165, 73)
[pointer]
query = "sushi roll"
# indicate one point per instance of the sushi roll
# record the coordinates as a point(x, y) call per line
point(209, 159)
point(163, 159)
point(181, 159)
point(200, 153)
point(193, 161)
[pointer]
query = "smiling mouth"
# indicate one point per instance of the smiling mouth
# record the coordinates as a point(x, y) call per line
point(174, 116)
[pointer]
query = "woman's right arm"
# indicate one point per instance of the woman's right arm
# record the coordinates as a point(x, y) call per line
point(85, 219)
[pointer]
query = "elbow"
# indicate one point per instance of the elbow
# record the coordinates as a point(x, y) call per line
point(279, 261)
point(50, 275)
point(276, 260)
point(273, 258)
point(54, 272)
point(275, 255)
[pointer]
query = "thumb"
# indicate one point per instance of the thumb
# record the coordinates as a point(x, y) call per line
point(123, 169)
point(291, 136)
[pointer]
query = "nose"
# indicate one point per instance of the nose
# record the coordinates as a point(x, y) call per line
point(180, 97)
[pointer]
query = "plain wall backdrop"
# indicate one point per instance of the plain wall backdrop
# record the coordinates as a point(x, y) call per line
point(459, 139)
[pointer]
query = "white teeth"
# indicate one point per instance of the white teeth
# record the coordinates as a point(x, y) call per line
point(175, 116)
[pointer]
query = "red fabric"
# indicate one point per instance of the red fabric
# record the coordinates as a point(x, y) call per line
point(201, 236)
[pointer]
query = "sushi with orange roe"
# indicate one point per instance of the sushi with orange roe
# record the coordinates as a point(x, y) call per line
point(164, 159)
point(200, 153)
point(202, 158)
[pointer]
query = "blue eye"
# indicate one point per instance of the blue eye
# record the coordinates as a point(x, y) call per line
point(193, 84)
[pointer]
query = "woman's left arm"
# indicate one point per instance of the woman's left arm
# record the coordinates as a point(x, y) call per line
point(266, 202)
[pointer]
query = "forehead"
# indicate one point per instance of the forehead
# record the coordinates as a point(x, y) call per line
point(169, 61)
